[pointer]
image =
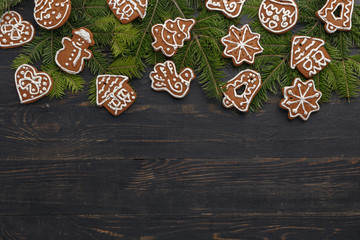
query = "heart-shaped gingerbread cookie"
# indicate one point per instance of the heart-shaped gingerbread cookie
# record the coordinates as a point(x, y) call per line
point(14, 32)
point(32, 85)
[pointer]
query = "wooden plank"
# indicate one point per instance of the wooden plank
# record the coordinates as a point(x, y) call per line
point(179, 227)
point(179, 186)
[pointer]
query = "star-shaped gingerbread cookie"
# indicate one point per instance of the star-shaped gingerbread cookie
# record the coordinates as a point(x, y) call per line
point(241, 45)
point(301, 99)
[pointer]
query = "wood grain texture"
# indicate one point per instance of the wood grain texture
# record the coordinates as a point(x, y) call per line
point(180, 227)
point(174, 169)
point(180, 186)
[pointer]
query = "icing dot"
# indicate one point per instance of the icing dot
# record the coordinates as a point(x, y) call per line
point(186, 75)
point(70, 59)
point(294, 110)
point(74, 50)
point(168, 49)
point(72, 54)
point(45, 83)
point(66, 64)
point(310, 85)
point(4, 40)
point(172, 25)
point(41, 92)
point(168, 37)
point(24, 95)
point(44, 89)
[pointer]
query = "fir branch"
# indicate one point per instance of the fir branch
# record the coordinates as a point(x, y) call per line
point(6, 5)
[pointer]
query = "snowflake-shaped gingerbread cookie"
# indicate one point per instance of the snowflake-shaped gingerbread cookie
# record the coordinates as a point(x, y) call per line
point(301, 99)
point(241, 45)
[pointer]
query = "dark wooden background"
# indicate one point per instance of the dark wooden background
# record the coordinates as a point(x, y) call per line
point(174, 169)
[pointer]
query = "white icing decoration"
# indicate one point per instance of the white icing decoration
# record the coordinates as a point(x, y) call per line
point(119, 96)
point(230, 8)
point(179, 86)
point(345, 15)
point(242, 102)
point(301, 100)
point(15, 28)
point(241, 44)
point(163, 27)
point(306, 57)
point(44, 7)
point(84, 35)
point(129, 8)
point(273, 16)
point(31, 81)
point(81, 55)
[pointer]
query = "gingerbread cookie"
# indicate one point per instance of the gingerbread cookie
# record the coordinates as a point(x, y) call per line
point(278, 16)
point(114, 93)
point(301, 99)
point(308, 55)
point(165, 78)
point(241, 101)
point(333, 22)
point(31, 85)
point(128, 10)
point(230, 8)
point(71, 57)
point(171, 35)
point(52, 14)
point(14, 32)
point(241, 45)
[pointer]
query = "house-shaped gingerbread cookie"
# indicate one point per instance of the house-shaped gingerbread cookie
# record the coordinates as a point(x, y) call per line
point(308, 55)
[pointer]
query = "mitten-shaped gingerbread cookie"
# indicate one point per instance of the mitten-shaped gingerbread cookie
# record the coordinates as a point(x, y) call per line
point(71, 57)
point(14, 32)
point(171, 35)
point(52, 14)
point(128, 10)
point(165, 78)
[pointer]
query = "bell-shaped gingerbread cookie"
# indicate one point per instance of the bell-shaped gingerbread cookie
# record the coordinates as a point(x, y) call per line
point(333, 21)
point(249, 79)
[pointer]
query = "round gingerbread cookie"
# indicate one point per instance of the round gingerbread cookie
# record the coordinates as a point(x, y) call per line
point(278, 16)
point(31, 85)
point(52, 14)
point(14, 32)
